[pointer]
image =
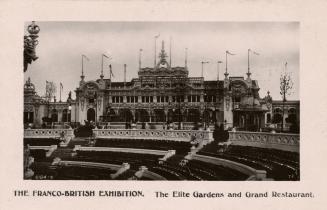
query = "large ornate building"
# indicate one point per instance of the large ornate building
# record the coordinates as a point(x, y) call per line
point(161, 94)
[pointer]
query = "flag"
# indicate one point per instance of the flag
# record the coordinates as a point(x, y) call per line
point(254, 52)
point(85, 57)
point(229, 53)
point(61, 87)
point(157, 36)
point(105, 55)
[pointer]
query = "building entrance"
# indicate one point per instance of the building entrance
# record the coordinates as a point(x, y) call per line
point(91, 115)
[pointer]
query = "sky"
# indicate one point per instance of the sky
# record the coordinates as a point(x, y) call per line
point(61, 45)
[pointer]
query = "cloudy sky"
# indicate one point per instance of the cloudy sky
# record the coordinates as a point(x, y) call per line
point(61, 45)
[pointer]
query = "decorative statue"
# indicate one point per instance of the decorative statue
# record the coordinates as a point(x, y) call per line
point(30, 42)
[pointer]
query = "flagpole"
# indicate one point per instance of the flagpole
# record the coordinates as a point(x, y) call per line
point(125, 75)
point(249, 63)
point(155, 49)
point(82, 76)
point(219, 62)
point(110, 75)
point(255, 53)
point(226, 63)
point(140, 57)
point(60, 93)
point(82, 66)
point(101, 75)
point(185, 58)
point(203, 62)
point(170, 52)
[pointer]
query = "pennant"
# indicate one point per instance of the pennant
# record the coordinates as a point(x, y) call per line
point(254, 52)
point(157, 36)
point(85, 57)
point(229, 53)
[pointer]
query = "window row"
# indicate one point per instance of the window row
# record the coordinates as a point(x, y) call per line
point(162, 99)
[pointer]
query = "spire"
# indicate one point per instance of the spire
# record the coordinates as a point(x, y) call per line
point(163, 54)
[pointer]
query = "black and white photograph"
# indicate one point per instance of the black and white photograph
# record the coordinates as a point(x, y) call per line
point(143, 101)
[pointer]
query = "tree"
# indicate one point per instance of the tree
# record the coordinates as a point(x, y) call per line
point(286, 86)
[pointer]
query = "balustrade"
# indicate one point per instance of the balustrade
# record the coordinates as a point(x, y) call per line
point(48, 133)
point(173, 135)
point(281, 141)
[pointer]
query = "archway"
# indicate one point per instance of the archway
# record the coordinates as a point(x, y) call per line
point(159, 115)
point(142, 115)
point(125, 115)
point(193, 115)
point(65, 115)
point(91, 115)
point(54, 115)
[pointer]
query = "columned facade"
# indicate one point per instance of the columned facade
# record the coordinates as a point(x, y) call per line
point(163, 94)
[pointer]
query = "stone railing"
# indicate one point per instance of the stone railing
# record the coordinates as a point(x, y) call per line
point(281, 141)
point(48, 133)
point(172, 135)
point(116, 149)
